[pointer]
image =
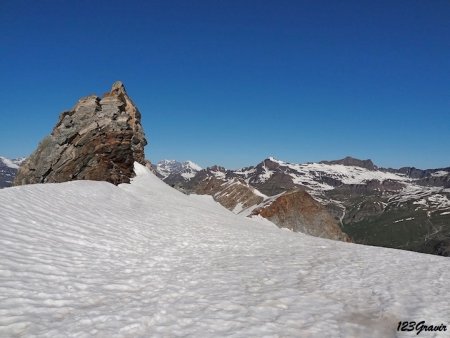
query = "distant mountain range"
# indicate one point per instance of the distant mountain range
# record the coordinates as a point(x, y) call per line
point(8, 170)
point(352, 199)
point(185, 170)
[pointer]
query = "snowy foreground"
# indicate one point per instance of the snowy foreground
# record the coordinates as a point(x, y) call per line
point(91, 259)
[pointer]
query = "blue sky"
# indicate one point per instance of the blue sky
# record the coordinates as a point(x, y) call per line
point(233, 82)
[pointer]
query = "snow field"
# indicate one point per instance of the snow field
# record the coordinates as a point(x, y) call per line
point(89, 259)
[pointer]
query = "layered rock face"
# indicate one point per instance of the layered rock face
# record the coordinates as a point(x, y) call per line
point(299, 212)
point(99, 139)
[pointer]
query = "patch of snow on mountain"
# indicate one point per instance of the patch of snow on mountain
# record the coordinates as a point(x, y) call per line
point(265, 175)
point(245, 173)
point(10, 163)
point(345, 174)
point(188, 175)
point(166, 167)
point(19, 160)
point(440, 173)
point(414, 192)
point(186, 169)
point(422, 202)
point(192, 165)
point(405, 219)
point(88, 258)
point(276, 161)
point(310, 182)
point(439, 201)
point(218, 174)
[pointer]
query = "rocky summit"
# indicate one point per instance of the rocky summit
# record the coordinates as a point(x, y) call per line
point(99, 139)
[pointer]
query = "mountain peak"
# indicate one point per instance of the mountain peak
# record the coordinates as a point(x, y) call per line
point(353, 162)
point(118, 88)
point(193, 165)
point(186, 169)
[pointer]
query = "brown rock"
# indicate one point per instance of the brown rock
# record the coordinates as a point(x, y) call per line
point(299, 212)
point(230, 193)
point(99, 139)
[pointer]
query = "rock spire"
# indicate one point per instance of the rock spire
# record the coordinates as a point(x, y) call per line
point(99, 139)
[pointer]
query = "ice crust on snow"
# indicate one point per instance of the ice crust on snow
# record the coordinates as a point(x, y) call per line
point(88, 258)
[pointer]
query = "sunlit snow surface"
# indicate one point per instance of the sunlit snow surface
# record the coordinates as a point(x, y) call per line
point(89, 259)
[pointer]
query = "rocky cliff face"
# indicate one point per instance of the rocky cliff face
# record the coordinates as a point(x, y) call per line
point(99, 139)
point(299, 212)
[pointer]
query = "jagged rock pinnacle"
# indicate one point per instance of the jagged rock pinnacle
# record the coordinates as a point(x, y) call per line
point(118, 88)
point(99, 139)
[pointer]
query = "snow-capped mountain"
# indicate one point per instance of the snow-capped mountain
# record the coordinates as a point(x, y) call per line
point(185, 170)
point(404, 208)
point(87, 258)
point(8, 170)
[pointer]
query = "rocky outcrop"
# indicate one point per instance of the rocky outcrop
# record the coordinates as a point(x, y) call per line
point(299, 212)
point(99, 139)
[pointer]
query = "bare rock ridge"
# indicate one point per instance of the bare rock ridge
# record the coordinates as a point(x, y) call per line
point(99, 139)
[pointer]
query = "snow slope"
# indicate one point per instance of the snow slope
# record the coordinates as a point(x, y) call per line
point(89, 259)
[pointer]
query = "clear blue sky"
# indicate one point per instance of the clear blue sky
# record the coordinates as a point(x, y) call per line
point(232, 82)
